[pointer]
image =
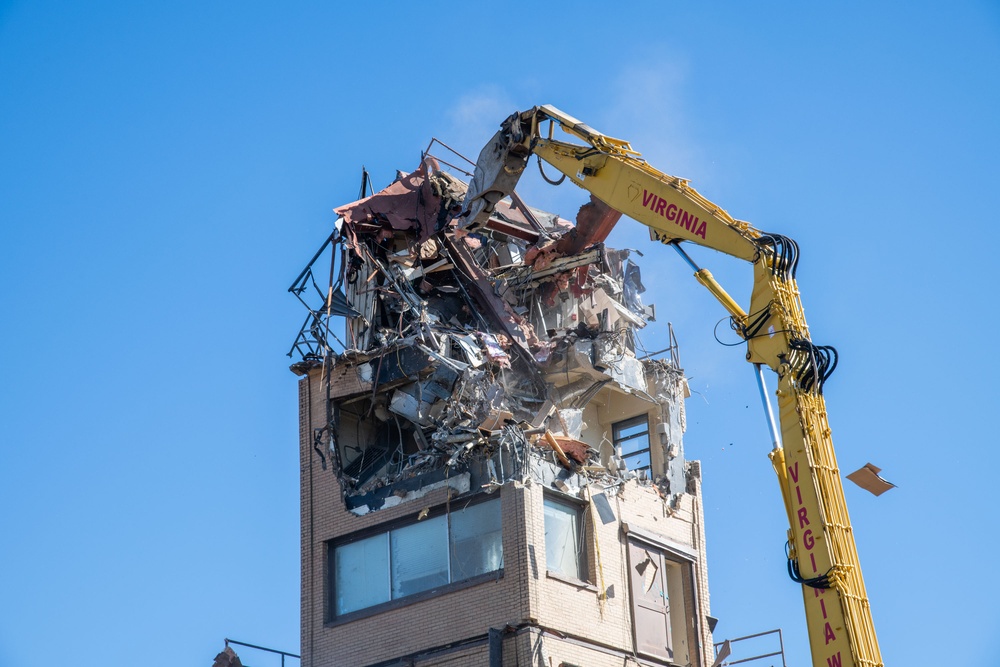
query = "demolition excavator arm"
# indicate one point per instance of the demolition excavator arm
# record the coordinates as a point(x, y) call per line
point(822, 555)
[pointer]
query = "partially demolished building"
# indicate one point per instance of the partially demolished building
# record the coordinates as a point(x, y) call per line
point(491, 474)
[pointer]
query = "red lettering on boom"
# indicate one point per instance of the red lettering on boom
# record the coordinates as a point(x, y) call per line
point(828, 635)
point(688, 221)
point(834, 660)
point(803, 517)
point(794, 472)
point(798, 494)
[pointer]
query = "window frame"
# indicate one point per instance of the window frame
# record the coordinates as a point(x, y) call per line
point(330, 600)
point(617, 441)
point(579, 508)
point(671, 556)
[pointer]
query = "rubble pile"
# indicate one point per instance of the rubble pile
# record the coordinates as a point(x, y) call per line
point(478, 348)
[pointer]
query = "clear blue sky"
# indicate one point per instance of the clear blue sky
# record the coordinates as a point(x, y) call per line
point(166, 171)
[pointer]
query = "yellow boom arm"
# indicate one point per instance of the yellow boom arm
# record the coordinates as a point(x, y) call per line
point(822, 554)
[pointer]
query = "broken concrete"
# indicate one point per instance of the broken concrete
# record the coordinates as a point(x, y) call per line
point(485, 349)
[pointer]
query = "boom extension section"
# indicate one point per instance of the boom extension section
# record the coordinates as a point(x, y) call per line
point(822, 555)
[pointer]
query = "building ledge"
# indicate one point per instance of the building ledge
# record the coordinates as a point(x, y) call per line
point(415, 598)
point(572, 581)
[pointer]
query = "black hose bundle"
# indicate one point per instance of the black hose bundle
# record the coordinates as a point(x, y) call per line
point(786, 254)
point(814, 364)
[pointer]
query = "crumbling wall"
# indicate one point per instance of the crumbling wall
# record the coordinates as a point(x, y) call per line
point(477, 350)
point(500, 361)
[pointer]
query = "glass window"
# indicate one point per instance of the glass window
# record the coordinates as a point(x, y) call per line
point(361, 573)
point(631, 437)
point(476, 546)
point(563, 538)
point(419, 555)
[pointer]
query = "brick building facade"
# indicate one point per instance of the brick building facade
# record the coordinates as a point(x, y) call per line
point(522, 613)
point(491, 475)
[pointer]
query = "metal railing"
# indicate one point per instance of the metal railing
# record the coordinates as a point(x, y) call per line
point(725, 648)
point(283, 654)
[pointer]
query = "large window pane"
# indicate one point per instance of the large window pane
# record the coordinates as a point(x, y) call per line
point(632, 427)
point(361, 574)
point(562, 539)
point(636, 461)
point(631, 437)
point(419, 556)
point(476, 545)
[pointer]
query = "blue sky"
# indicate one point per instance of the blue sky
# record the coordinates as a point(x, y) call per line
point(166, 171)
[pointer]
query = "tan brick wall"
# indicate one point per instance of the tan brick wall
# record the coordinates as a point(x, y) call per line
point(525, 594)
point(578, 610)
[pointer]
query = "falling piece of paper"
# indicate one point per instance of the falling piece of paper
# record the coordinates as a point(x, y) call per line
point(868, 478)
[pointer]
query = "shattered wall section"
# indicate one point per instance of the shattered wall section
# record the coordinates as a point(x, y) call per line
point(467, 350)
point(538, 612)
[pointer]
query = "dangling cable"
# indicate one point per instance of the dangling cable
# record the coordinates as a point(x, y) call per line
point(546, 178)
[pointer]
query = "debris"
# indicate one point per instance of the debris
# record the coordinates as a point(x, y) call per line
point(575, 449)
point(466, 336)
point(227, 658)
point(867, 477)
point(496, 420)
point(724, 652)
point(603, 507)
point(549, 438)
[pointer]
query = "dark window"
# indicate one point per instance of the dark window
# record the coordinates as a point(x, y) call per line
point(416, 557)
point(564, 546)
point(631, 438)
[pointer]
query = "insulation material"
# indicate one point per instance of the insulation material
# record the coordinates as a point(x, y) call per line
point(571, 421)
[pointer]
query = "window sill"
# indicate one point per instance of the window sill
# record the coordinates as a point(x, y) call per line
point(572, 581)
point(413, 599)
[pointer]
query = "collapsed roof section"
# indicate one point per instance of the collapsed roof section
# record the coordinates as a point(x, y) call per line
point(505, 353)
